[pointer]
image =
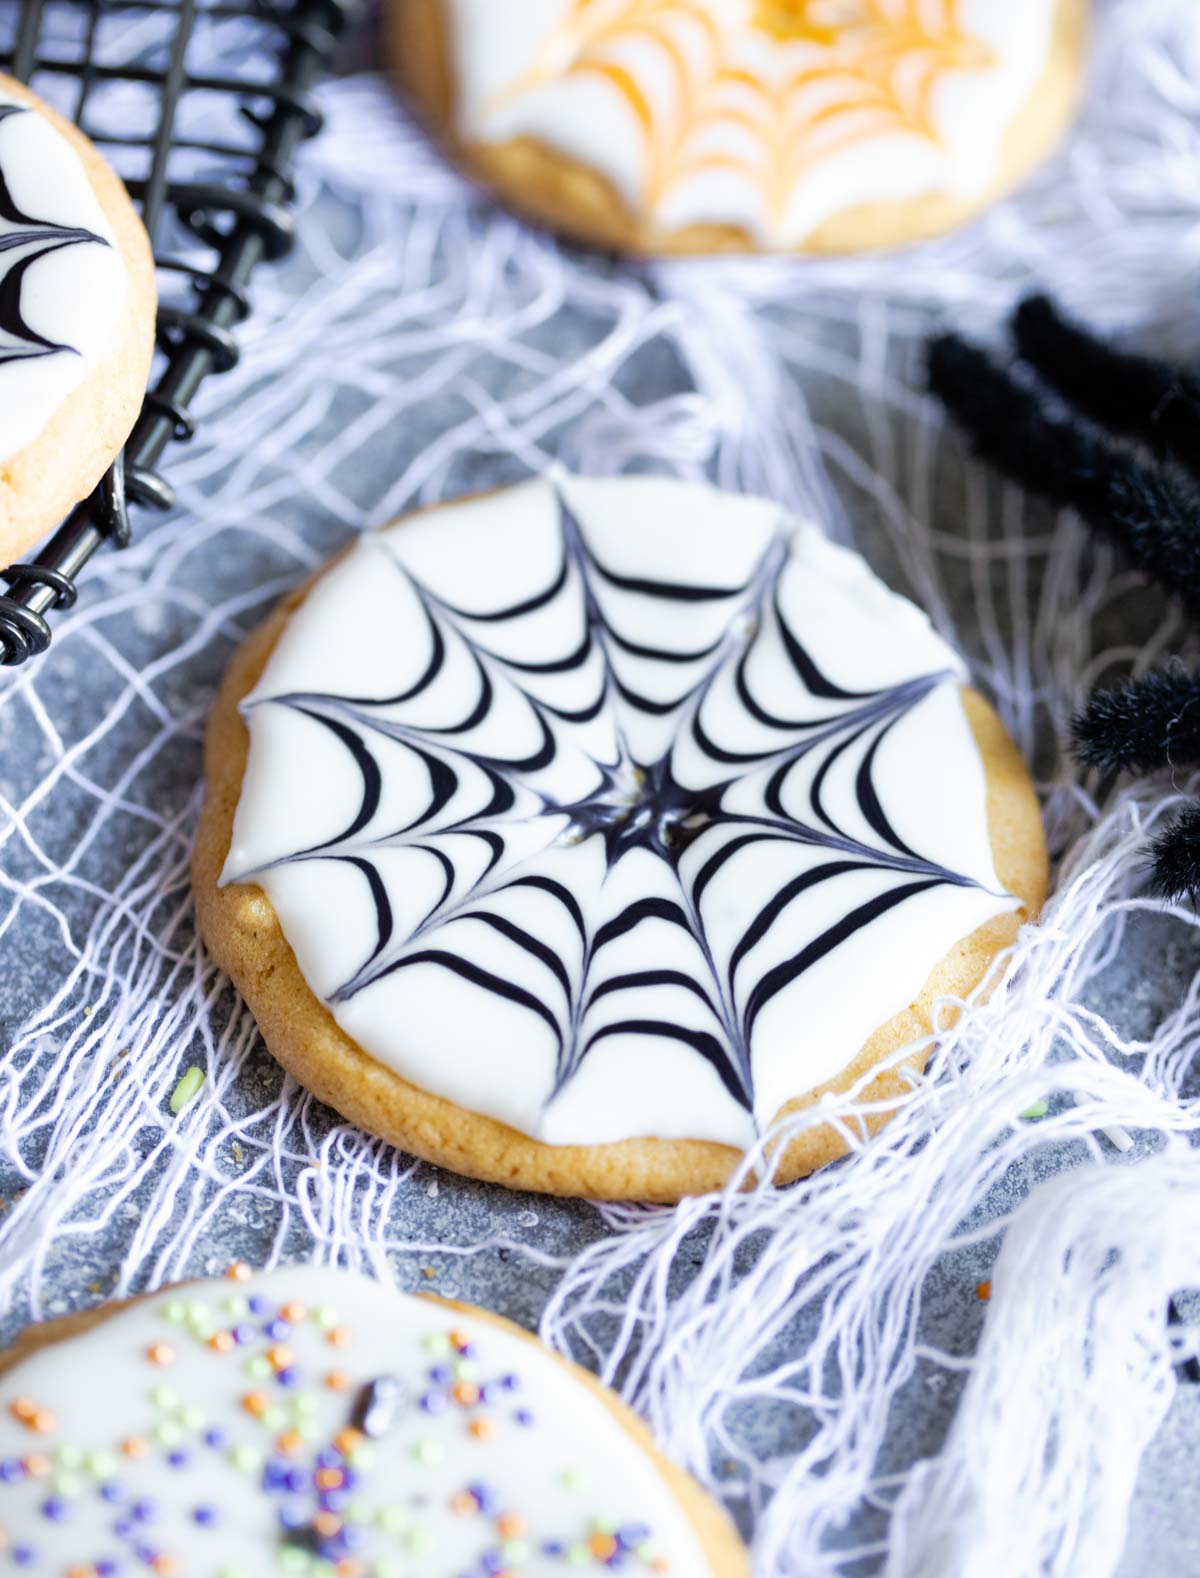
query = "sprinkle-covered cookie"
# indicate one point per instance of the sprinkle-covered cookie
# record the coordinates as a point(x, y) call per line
point(567, 835)
point(716, 125)
point(312, 1423)
point(77, 303)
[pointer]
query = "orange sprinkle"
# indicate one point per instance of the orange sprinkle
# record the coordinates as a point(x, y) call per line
point(659, 1565)
point(221, 1341)
point(255, 1403)
point(160, 1353)
point(37, 1465)
point(602, 1546)
point(465, 1393)
point(290, 1442)
point(339, 1337)
point(511, 1525)
point(280, 1357)
point(81, 1572)
point(239, 1271)
point(348, 1441)
point(168, 1566)
point(328, 1478)
point(337, 1381)
point(293, 1313)
point(983, 1290)
point(23, 1409)
point(135, 1446)
point(348, 1568)
point(327, 1524)
point(43, 1422)
point(464, 1504)
point(460, 1339)
point(482, 1429)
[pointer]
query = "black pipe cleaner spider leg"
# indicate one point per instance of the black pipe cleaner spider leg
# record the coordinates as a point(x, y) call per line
point(1116, 437)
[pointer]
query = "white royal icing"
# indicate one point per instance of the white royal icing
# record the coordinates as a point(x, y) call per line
point(621, 808)
point(62, 277)
point(771, 115)
point(200, 1434)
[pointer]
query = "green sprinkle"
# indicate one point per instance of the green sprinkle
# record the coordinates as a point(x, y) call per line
point(168, 1434)
point(326, 1318)
point(604, 1526)
point(101, 1465)
point(571, 1479)
point(391, 1520)
point(437, 1344)
point(306, 1403)
point(193, 1418)
point(233, 1572)
point(427, 1453)
point(1038, 1110)
point(466, 1370)
point(67, 1484)
point(516, 1550)
point(187, 1090)
point(259, 1368)
point(578, 1555)
point(389, 1569)
point(275, 1418)
point(165, 1397)
point(246, 1458)
point(292, 1560)
point(69, 1456)
point(362, 1457)
point(175, 1312)
point(238, 1306)
point(418, 1541)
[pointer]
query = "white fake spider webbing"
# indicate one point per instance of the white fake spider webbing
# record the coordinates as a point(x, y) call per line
point(421, 343)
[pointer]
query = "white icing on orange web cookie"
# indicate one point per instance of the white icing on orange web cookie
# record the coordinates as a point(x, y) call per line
point(771, 115)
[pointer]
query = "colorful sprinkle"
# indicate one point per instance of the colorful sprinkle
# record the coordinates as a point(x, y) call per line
point(187, 1090)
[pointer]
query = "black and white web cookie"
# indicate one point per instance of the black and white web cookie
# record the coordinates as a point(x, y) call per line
point(77, 303)
point(567, 835)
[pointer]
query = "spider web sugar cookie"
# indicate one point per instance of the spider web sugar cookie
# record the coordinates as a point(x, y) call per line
point(77, 302)
point(308, 1421)
point(568, 835)
point(705, 125)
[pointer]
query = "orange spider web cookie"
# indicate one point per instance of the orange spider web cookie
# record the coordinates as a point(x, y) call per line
point(706, 125)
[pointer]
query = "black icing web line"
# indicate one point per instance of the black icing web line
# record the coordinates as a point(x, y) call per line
point(20, 248)
point(635, 805)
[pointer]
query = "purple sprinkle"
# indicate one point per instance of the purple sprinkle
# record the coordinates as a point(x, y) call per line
point(353, 1538)
point(112, 1490)
point(295, 1480)
point(328, 1458)
point(147, 1554)
point(523, 1417)
point(123, 1528)
point(292, 1518)
point(55, 1509)
point(204, 1516)
point(440, 1375)
point(288, 1376)
point(257, 1304)
point(23, 1555)
point(178, 1458)
point(216, 1438)
point(242, 1334)
point(493, 1562)
point(484, 1495)
point(633, 1534)
point(143, 1512)
point(434, 1402)
point(277, 1330)
point(552, 1547)
point(11, 1470)
point(510, 1382)
point(107, 1568)
point(332, 1500)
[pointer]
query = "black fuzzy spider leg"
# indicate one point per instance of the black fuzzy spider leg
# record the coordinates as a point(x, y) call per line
point(1177, 857)
point(1139, 396)
point(1153, 515)
point(1143, 724)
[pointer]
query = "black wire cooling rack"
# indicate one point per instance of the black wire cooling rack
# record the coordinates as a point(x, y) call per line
point(147, 80)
